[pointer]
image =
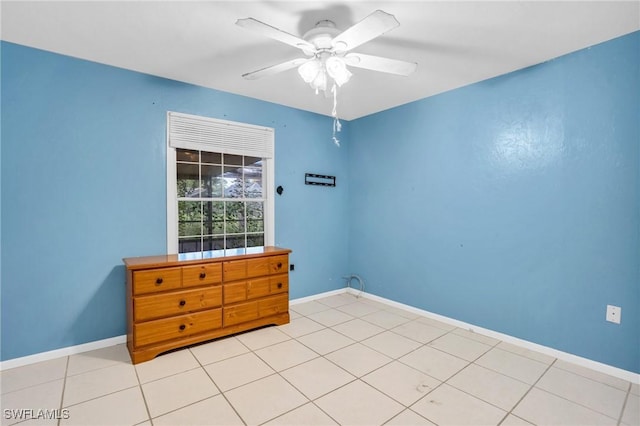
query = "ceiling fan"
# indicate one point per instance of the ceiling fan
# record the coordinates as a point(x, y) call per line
point(327, 50)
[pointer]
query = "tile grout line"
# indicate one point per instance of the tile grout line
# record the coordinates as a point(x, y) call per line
point(527, 393)
point(64, 385)
point(309, 400)
point(102, 396)
point(624, 405)
point(566, 399)
point(446, 381)
point(470, 394)
point(89, 371)
point(576, 402)
point(412, 411)
point(591, 379)
point(144, 398)
point(165, 377)
point(199, 367)
point(223, 393)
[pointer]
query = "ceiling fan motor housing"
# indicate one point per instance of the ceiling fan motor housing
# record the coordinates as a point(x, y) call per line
point(322, 34)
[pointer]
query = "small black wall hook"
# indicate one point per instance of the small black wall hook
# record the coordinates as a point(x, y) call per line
point(279, 189)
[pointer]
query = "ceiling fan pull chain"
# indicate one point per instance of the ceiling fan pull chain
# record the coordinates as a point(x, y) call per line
point(337, 126)
point(334, 90)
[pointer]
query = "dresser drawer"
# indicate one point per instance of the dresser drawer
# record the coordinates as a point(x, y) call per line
point(240, 269)
point(175, 303)
point(266, 286)
point(240, 313)
point(258, 267)
point(279, 283)
point(235, 292)
point(154, 280)
point(273, 305)
point(160, 330)
point(279, 264)
point(210, 273)
point(258, 287)
point(234, 270)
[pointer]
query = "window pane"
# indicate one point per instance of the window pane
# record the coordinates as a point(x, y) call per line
point(233, 182)
point(211, 242)
point(235, 241)
point(253, 182)
point(235, 160)
point(187, 155)
point(188, 180)
point(255, 217)
point(213, 217)
point(212, 181)
point(211, 157)
point(189, 218)
point(189, 245)
point(234, 217)
point(253, 162)
point(255, 240)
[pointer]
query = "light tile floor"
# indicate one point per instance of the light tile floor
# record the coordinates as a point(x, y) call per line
point(341, 360)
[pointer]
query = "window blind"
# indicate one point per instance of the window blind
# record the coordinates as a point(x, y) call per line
point(228, 137)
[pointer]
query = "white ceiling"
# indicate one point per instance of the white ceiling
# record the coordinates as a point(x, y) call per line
point(454, 43)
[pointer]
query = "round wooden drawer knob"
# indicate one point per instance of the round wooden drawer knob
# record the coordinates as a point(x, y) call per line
point(159, 281)
point(183, 302)
point(182, 327)
point(202, 275)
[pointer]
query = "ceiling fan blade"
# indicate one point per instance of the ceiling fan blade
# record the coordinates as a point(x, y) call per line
point(274, 69)
point(372, 26)
point(377, 63)
point(275, 33)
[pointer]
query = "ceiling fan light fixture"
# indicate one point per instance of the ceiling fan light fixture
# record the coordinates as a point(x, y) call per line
point(320, 82)
point(337, 69)
point(309, 70)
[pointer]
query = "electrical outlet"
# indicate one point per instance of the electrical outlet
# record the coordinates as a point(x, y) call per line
point(614, 314)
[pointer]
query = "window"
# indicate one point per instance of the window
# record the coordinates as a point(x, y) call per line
point(220, 202)
point(219, 180)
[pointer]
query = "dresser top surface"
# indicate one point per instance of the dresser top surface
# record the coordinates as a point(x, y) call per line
point(164, 260)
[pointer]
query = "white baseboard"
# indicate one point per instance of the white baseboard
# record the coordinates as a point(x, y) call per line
point(316, 296)
point(57, 353)
point(583, 362)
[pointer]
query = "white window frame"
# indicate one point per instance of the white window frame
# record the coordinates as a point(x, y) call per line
point(228, 137)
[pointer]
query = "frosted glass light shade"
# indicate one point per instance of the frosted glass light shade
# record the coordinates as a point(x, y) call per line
point(309, 70)
point(337, 69)
point(320, 82)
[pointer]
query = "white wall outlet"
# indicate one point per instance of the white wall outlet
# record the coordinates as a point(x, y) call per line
point(614, 313)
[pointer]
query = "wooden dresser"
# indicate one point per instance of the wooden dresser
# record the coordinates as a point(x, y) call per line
point(178, 300)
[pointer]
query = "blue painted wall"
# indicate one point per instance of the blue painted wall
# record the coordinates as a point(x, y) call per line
point(512, 204)
point(83, 185)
